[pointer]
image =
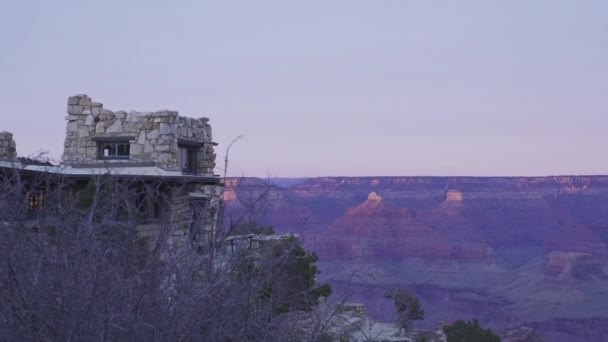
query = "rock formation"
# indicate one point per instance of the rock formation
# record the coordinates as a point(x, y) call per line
point(510, 251)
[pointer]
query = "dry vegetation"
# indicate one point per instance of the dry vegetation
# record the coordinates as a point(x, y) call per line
point(75, 268)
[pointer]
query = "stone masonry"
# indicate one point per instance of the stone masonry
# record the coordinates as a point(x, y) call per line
point(150, 141)
point(154, 137)
point(8, 148)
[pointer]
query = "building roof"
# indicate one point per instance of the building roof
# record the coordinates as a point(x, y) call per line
point(140, 172)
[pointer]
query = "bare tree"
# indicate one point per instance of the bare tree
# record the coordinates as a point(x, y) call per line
point(79, 263)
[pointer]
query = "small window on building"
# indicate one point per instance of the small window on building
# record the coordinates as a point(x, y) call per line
point(35, 203)
point(35, 199)
point(149, 205)
point(114, 150)
point(188, 160)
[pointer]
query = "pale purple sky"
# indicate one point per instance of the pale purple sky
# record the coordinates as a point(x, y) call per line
point(327, 88)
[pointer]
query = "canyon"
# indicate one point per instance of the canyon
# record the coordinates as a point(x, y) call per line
point(511, 251)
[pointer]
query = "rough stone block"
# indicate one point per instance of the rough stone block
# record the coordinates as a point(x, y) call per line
point(116, 127)
point(163, 159)
point(72, 126)
point(133, 116)
point(72, 100)
point(84, 100)
point(148, 147)
point(83, 131)
point(160, 113)
point(136, 149)
point(163, 148)
point(142, 138)
point(100, 128)
point(152, 134)
point(163, 141)
point(76, 110)
point(89, 120)
point(130, 127)
point(69, 152)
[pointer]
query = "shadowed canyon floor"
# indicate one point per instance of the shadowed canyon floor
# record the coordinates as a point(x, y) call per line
point(511, 251)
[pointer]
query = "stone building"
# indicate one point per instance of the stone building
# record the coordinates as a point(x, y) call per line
point(166, 159)
point(173, 143)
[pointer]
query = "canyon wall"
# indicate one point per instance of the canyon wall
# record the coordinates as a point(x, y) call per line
point(511, 251)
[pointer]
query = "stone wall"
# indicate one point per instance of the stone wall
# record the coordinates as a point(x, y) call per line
point(8, 148)
point(154, 137)
point(188, 224)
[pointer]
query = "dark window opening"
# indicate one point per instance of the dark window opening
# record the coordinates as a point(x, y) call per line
point(35, 203)
point(113, 150)
point(188, 160)
point(149, 205)
point(35, 200)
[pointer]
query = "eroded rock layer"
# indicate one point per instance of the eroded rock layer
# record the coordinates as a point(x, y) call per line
point(510, 251)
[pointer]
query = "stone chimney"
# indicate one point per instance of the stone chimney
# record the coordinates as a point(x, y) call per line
point(8, 148)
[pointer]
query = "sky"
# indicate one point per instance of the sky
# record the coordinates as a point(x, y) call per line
point(324, 87)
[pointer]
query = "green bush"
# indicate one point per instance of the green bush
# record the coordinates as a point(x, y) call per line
point(469, 331)
point(407, 306)
point(293, 284)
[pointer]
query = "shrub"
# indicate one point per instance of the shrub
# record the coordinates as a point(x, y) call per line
point(407, 306)
point(469, 331)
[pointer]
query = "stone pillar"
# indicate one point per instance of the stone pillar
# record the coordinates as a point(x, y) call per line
point(8, 148)
point(82, 121)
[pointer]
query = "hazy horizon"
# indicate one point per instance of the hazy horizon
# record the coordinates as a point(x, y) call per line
point(341, 88)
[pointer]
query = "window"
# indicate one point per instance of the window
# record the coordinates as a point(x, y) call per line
point(35, 199)
point(35, 203)
point(188, 160)
point(114, 150)
point(149, 205)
